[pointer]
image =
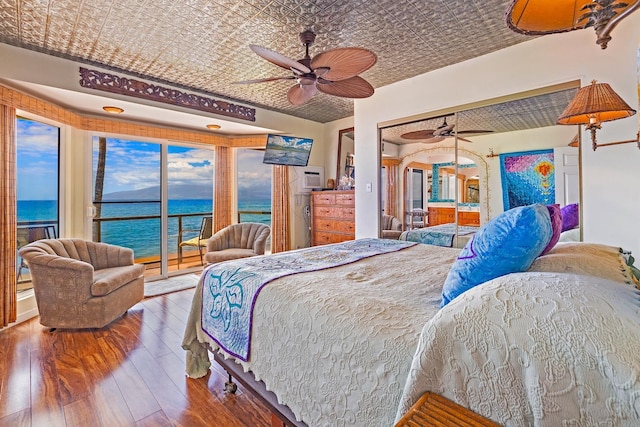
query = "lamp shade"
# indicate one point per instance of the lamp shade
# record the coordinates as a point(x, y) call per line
point(538, 17)
point(594, 104)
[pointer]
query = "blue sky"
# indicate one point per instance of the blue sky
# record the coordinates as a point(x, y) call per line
point(130, 165)
point(37, 161)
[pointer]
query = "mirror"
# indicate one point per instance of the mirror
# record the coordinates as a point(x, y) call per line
point(461, 176)
point(345, 171)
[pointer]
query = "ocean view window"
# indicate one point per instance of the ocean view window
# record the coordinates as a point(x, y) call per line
point(254, 187)
point(417, 188)
point(37, 166)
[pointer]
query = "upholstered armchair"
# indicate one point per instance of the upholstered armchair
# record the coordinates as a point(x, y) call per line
point(82, 284)
point(391, 227)
point(237, 241)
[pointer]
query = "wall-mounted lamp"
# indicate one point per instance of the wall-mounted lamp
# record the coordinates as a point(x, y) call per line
point(575, 141)
point(539, 17)
point(213, 126)
point(593, 105)
point(492, 154)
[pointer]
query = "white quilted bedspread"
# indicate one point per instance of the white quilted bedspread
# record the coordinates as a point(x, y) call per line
point(550, 349)
point(336, 345)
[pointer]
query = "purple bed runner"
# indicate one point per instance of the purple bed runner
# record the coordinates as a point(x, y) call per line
point(230, 289)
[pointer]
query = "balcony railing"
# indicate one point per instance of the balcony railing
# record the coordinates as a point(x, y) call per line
point(185, 224)
point(192, 227)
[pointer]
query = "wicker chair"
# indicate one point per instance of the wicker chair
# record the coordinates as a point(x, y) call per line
point(237, 241)
point(82, 284)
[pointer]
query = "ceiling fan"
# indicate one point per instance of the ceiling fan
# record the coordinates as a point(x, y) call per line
point(334, 72)
point(431, 136)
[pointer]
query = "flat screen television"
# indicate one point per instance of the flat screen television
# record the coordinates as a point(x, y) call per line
point(287, 150)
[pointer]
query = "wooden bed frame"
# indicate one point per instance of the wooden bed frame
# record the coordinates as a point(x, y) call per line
point(430, 409)
point(281, 416)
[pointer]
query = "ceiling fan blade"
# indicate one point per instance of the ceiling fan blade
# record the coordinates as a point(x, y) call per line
point(299, 94)
point(355, 87)
point(463, 139)
point(344, 63)
point(433, 140)
point(268, 79)
point(278, 59)
point(418, 134)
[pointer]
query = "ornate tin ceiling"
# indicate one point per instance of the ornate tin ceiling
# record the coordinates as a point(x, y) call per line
point(203, 45)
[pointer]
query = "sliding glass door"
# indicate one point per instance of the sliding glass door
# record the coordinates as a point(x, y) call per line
point(253, 179)
point(127, 197)
point(152, 198)
point(190, 204)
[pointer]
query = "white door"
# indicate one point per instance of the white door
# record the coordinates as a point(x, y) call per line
point(567, 175)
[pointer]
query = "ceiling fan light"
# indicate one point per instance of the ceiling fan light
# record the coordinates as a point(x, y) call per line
point(306, 81)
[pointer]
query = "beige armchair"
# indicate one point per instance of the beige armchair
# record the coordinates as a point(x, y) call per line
point(237, 241)
point(82, 284)
point(391, 227)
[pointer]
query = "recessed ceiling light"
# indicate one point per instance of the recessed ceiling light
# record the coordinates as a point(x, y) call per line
point(113, 110)
point(213, 127)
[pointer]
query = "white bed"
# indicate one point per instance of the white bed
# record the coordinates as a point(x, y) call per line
point(356, 345)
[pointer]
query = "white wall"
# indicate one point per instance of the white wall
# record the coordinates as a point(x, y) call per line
point(610, 175)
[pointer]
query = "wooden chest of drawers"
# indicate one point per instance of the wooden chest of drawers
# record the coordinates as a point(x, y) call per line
point(333, 216)
point(442, 215)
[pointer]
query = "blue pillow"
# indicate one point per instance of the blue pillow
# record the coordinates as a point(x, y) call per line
point(509, 243)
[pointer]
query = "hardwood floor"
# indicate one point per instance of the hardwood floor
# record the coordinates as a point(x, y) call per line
point(130, 373)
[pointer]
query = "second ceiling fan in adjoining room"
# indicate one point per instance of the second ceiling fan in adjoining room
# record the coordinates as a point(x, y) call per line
point(445, 130)
point(334, 72)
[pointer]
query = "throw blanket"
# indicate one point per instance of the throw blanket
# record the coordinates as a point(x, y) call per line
point(230, 289)
point(439, 235)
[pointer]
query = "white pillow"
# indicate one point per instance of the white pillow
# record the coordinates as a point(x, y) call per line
point(591, 259)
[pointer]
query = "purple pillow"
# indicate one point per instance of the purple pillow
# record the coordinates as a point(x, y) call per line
point(570, 216)
point(556, 227)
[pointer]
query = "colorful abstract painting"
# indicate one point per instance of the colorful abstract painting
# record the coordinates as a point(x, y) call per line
point(527, 177)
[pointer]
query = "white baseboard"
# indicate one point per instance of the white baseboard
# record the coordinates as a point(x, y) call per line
point(23, 317)
point(29, 314)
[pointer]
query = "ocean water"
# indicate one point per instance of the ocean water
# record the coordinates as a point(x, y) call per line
point(286, 157)
point(143, 235)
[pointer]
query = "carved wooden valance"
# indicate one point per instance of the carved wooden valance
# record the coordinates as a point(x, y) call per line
point(99, 80)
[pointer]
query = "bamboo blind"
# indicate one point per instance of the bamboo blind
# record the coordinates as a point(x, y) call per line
point(280, 240)
point(8, 219)
point(222, 192)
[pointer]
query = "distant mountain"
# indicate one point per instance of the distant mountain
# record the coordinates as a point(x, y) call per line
point(176, 192)
point(254, 194)
point(186, 192)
